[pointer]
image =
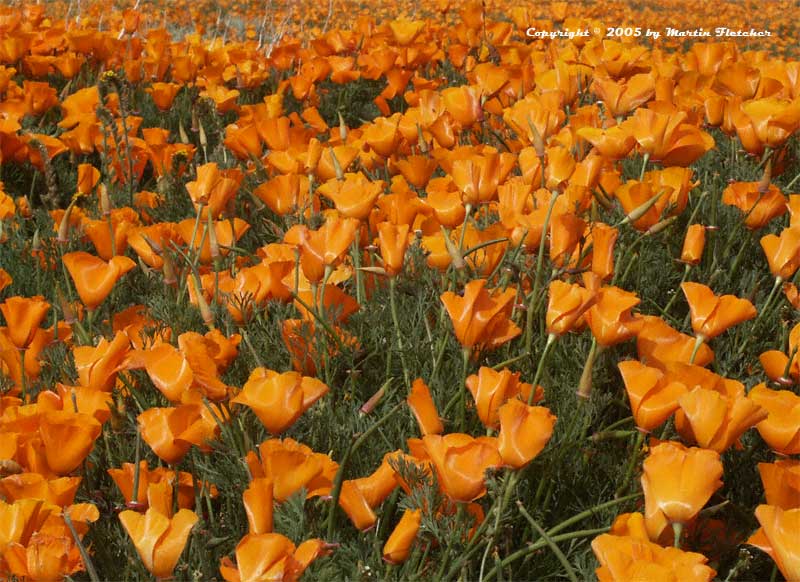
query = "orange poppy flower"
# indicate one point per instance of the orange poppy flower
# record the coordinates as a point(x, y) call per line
point(653, 394)
point(461, 462)
point(610, 318)
point(94, 278)
point(5, 279)
point(291, 466)
point(524, 432)
point(713, 314)
point(566, 306)
point(88, 176)
point(781, 429)
point(478, 176)
point(715, 419)
point(398, 547)
point(355, 505)
point(97, 366)
point(68, 438)
point(423, 407)
point(326, 246)
point(776, 364)
point(777, 536)
point(23, 317)
point(767, 122)
point(258, 505)
point(159, 540)
point(171, 432)
point(631, 558)
point(677, 483)
point(614, 143)
point(781, 481)
point(759, 202)
point(392, 242)
point(44, 557)
point(620, 98)
point(668, 137)
point(279, 399)
point(163, 94)
point(124, 477)
point(603, 238)
point(491, 389)
point(481, 317)
point(354, 196)
point(270, 556)
point(60, 492)
point(693, 244)
point(783, 252)
point(659, 344)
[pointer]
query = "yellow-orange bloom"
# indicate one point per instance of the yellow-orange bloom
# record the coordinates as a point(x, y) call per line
point(398, 547)
point(94, 278)
point(677, 483)
point(278, 400)
point(23, 317)
point(778, 537)
point(713, 314)
point(158, 539)
point(524, 432)
point(461, 462)
point(423, 407)
point(481, 318)
point(781, 429)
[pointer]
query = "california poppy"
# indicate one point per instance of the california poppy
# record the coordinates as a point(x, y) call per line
point(491, 389)
point(759, 202)
point(94, 278)
point(610, 318)
point(158, 539)
point(97, 366)
point(423, 407)
point(291, 466)
point(653, 395)
point(171, 432)
point(713, 314)
point(781, 429)
point(279, 399)
point(677, 483)
point(778, 537)
point(693, 244)
point(668, 137)
point(524, 431)
point(258, 505)
point(68, 437)
point(23, 317)
point(480, 317)
point(782, 252)
point(460, 462)
point(567, 305)
point(781, 481)
point(658, 344)
point(398, 547)
point(270, 556)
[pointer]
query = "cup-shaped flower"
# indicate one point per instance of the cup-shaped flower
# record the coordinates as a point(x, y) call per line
point(633, 558)
point(693, 244)
point(424, 409)
point(68, 437)
point(781, 481)
point(481, 318)
point(326, 246)
point(171, 432)
point(716, 418)
point(398, 547)
point(392, 242)
point(566, 306)
point(524, 432)
point(492, 388)
point(270, 556)
point(23, 317)
point(677, 483)
point(158, 539)
point(759, 207)
point(658, 344)
point(652, 393)
point(713, 314)
point(279, 399)
point(783, 252)
point(781, 429)
point(461, 462)
point(258, 505)
point(777, 536)
point(60, 492)
point(94, 278)
point(610, 318)
point(97, 366)
point(292, 466)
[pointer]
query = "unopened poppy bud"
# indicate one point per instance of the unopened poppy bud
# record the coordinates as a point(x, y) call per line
point(63, 227)
point(105, 201)
point(693, 244)
point(36, 244)
point(660, 225)
point(642, 209)
point(336, 166)
point(398, 546)
point(203, 140)
point(374, 270)
point(153, 245)
point(455, 254)
point(763, 184)
point(342, 128)
point(168, 270)
point(205, 310)
point(536, 139)
point(182, 133)
point(373, 401)
point(421, 143)
point(212, 240)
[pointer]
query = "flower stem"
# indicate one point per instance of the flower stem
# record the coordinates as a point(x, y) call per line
point(396, 321)
point(462, 388)
point(537, 276)
point(551, 339)
point(549, 541)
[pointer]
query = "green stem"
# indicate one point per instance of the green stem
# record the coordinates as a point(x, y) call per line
point(637, 446)
point(677, 530)
point(761, 314)
point(87, 561)
point(536, 281)
point(551, 339)
point(23, 379)
point(686, 271)
point(137, 457)
point(645, 159)
point(462, 389)
point(398, 334)
point(549, 541)
point(697, 343)
point(355, 445)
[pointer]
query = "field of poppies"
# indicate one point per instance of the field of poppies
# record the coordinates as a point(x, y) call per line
point(399, 291)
